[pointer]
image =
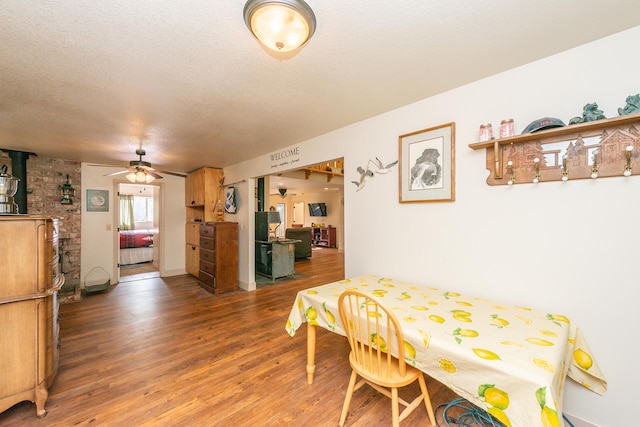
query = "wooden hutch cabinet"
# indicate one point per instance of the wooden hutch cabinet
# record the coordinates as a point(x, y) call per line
point(202, 188)
point(218, 256)
point(30, 279)
point(324, 236)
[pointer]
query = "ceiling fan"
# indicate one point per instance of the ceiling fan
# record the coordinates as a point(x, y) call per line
point(282, 192)
point(141, 172)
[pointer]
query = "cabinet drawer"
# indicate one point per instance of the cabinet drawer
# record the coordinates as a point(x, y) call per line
point(207, 255)
point(207, 243)
point(208, 267)
point(207, 279)
point(207, 230)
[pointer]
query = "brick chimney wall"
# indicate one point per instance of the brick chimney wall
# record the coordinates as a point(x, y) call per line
point(45, 175)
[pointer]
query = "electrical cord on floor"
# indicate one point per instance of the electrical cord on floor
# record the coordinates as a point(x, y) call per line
point(567, 420)
point(471, 417)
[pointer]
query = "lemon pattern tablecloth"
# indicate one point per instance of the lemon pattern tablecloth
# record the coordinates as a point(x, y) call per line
point(510, 360)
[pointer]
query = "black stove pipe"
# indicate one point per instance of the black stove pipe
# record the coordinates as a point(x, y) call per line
point(19, 170)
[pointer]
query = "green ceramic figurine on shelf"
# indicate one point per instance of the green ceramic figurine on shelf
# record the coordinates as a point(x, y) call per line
point(632, 107)
point(590, 113)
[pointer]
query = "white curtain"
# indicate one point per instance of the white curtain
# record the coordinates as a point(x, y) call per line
point(127, 221)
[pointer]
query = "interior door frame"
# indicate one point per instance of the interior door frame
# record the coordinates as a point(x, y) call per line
point(262, 193)
point(158, 218)
point(281, 207)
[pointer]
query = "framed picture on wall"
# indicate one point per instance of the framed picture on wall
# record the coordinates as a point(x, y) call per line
point(427, 165)
point(97, 200)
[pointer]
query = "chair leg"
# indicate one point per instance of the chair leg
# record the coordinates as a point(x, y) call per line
point(347, 398)
point(427, 399)
point(395, 412)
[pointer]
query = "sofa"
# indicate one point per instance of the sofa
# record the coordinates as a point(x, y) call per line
point(303, 247)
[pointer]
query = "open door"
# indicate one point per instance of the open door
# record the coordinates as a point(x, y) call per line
point(298, 214)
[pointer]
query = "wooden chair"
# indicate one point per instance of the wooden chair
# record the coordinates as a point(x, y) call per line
point(372, 330)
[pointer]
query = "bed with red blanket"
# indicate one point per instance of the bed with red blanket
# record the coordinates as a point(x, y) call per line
point(136, 246)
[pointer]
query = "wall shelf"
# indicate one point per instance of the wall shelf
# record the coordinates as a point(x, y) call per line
point(602, 148)
point(330, 169)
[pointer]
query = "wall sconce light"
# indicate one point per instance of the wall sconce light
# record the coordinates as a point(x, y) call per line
point(512, 175)
point(536, 178)
point(627, 167)
point(280, 25)
point(67, 192)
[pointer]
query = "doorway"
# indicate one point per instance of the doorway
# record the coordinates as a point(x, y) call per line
point(291, 193)
point(298, 214)
point(138, 231)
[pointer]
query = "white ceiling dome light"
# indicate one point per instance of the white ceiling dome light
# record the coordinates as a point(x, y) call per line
point(280, 25)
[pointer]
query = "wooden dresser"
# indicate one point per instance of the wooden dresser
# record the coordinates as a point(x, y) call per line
point(218, 256)
point(30, 279)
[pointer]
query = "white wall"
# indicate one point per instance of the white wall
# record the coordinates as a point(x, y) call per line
point(562, 247)
point(99, 242)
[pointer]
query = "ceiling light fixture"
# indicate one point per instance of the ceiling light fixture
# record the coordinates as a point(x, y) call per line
point(140, 176)
point(280, 25)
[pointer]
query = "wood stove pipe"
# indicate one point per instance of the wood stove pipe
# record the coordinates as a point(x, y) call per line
point(19, 170)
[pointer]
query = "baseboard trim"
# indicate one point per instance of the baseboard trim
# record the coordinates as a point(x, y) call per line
point(247, 286)
point(579, 422)
point(170, 273)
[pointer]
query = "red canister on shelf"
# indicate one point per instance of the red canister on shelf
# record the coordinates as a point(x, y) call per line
point(486, 132)
point(506, 128)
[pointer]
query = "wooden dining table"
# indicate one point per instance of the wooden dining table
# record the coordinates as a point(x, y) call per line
point(512, 361)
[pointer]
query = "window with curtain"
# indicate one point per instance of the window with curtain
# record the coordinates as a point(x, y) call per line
point(127, 219)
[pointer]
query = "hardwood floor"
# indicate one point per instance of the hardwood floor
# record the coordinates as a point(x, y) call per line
point(146, 270)
point(165, 352)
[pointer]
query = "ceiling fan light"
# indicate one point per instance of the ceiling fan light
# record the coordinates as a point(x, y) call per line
point(140, 177)
point(280, 25)
point(131, 176)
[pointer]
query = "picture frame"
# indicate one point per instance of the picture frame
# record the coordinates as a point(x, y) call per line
point(427, 165)
point(97, 200)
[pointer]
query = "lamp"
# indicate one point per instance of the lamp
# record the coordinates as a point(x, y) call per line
point(274, 218)
point(67, 192)
point(280, 25)
point(140, 176)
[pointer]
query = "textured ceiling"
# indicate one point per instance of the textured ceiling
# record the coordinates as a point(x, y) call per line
point(92, 80)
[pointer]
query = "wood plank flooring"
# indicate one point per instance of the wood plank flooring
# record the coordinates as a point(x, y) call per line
point(141, 271)
point(165, 352)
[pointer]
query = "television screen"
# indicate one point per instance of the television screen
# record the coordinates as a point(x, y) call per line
point(317, 209)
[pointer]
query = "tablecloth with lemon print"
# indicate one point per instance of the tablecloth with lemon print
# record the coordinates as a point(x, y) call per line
point(510, 360)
